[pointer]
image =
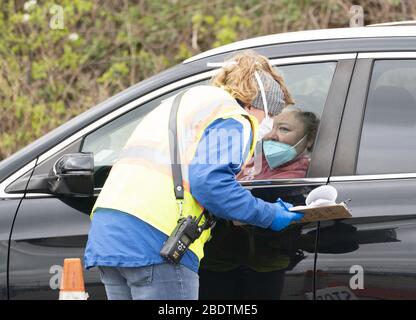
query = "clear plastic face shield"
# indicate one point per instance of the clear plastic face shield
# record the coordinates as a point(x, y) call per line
point(266, 124)
point(271, 100)
point(270, 92)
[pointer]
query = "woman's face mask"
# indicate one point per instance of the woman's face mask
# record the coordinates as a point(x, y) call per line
point(278, 153)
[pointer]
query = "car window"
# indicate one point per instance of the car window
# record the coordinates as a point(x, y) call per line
point(389, 129)
point(309, 84)
point(304, 81)
point(286, 151)
point(107, 142)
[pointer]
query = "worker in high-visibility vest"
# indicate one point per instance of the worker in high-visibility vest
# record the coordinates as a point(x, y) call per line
point(136, 210)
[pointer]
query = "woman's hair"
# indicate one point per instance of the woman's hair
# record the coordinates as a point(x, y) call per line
point(237, 77)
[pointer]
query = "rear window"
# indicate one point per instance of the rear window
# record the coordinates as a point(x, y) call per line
point(388, 139)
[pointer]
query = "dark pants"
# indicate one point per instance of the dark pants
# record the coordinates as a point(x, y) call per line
point(242, 283)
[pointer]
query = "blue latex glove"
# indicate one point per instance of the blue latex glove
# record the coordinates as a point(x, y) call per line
point(283, 216)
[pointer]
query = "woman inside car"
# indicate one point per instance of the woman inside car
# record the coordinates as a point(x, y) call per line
point(286, 149)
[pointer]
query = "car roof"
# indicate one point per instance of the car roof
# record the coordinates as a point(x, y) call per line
point(310, 35)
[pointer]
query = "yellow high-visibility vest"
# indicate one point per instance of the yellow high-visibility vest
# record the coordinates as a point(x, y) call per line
point(140, 182)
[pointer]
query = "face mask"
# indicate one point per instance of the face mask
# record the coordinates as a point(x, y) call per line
point(266, 124)
point(278, 153)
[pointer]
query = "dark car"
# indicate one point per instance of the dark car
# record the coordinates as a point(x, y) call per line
point(361, 82)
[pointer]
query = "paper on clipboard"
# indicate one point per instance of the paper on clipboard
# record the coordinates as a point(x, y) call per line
point(325, 212)
point(321, 205)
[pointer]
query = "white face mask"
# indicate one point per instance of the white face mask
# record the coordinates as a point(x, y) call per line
point(266, 125)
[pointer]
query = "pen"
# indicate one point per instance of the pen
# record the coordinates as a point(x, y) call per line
point(282, 203)
point(346, 201)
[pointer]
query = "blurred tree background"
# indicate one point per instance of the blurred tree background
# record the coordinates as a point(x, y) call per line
point(50, 75)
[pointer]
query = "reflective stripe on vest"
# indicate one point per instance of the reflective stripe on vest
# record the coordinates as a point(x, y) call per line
point(140, 182)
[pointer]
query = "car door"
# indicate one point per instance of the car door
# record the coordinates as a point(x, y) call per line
point(46, 230)
point(373, 255)
point(242, 258)
point(9, 205)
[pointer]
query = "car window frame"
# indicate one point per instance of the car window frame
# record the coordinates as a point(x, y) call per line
point(370, 105)
point(348, 144)
point(164, 90)
point(325, 143)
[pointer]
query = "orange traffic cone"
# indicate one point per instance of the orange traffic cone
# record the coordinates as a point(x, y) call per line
point(72, 281)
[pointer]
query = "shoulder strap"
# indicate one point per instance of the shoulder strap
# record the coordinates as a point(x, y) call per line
point(176, 163)
point(174, 142)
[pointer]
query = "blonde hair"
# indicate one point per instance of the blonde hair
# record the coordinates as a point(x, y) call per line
point(237, 77)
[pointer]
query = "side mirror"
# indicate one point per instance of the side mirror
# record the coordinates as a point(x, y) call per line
point(73, 175)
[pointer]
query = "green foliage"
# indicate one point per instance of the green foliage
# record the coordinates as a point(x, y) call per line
point(117, 70)
point(48, 76)
point(395, 2)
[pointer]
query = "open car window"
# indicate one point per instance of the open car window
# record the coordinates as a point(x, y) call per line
point(286, 151)
point(107, 142)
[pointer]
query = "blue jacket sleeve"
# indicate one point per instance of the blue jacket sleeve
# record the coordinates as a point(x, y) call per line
point(212, 176)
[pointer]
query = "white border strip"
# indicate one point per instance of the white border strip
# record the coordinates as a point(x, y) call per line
point(387, 55)
point(295, 60)
point(13, 178)
point(315, 58)
point(372, 177)
point(282, 182)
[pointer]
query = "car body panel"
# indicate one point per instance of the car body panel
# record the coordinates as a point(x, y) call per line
point(373, 253)
point(41, 240)
point(8, 209)
point(327, 35)
point(373, 257)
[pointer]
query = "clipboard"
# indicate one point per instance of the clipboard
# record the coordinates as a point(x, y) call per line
point(322, 213)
